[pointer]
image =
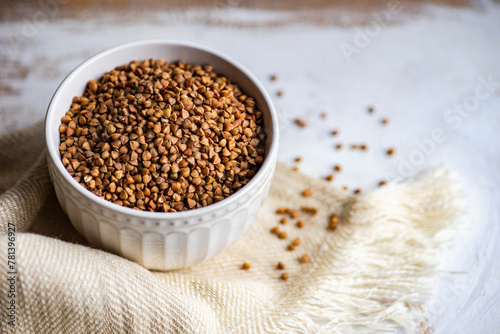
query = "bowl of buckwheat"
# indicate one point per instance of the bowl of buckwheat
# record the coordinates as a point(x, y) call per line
point(161, 151)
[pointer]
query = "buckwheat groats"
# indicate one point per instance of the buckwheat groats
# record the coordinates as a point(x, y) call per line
point(159, 136)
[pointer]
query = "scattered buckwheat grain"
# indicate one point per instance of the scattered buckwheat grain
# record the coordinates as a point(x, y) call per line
point(304, 258)
point(334, 222)
point(282, 235)
point(301, 123)
point(282, 210)
point(309, 209)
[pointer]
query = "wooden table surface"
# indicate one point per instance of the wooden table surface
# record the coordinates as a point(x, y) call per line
point(430, 68)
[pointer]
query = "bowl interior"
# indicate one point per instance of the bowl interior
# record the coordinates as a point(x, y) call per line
point(95, 67)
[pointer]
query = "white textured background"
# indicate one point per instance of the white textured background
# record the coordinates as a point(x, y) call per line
point(417, 70)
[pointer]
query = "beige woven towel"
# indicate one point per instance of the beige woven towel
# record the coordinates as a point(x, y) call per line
point(371, 274)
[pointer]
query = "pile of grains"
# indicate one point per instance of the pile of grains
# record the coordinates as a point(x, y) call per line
point(159, 136)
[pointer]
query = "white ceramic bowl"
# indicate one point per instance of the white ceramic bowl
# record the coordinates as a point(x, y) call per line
point(159, 241)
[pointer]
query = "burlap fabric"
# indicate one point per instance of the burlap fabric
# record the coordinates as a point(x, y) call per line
point(371, 274)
